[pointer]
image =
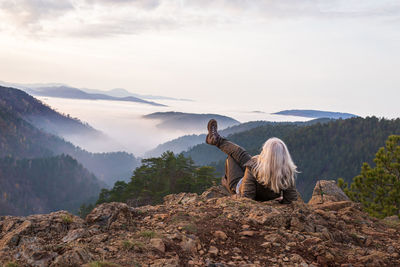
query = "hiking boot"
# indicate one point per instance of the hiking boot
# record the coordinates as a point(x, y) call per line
point(213, 138)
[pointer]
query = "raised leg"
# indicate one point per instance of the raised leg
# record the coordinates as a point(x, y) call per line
point(238, 153)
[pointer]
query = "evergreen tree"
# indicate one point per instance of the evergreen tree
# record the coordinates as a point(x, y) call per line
point(158, 177)
point(378, 188)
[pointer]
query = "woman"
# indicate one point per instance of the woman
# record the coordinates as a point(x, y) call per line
point(267, 176)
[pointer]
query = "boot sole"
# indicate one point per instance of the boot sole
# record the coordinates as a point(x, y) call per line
point(210, 123)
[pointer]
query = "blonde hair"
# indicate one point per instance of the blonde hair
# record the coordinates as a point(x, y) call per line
point(275, 167)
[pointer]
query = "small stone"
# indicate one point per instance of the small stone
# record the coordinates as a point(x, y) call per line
point(311, 241)
point(213, 251)
point(368, 242)
point(158, 244)
point(247, 233)
point(245, 226)
point(390, 249)
point(237, 250)
point(272, 237)
point(188, 245)
point(100, 251)
point(329, 257)
point(296, 258)
point(220, 235)
point(266, 245)
point(286, 259)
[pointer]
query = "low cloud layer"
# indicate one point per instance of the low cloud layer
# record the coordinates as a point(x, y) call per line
point(96, 18)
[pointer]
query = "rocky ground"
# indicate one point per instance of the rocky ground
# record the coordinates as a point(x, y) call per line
point(208, 230)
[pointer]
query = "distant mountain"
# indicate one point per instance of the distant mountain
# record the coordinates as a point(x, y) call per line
point(189, 121)
point(321, 151)
point(309, 113)
point(45, 118)
point(188, 141)
point(43, 185)
point(42, 116)
point(117, 92)
point(74, 93)
point(120, 92)
point(24, 86)
point(19, 138)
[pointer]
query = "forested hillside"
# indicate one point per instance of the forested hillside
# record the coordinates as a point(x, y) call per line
point(35, 173)
point(40, 115)
point(20, 139)
point(310, 113)
point(48, 120)
point(188, 141)
point(43, 185)
point(321, 151)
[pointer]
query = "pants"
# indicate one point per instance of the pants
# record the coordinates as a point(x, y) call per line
point(234, 164)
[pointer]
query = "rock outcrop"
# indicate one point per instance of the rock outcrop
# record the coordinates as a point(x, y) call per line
point(327, 191)
point(212, 229)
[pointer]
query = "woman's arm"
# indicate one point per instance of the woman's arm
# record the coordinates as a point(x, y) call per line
point(249, 185)
point(289, 195)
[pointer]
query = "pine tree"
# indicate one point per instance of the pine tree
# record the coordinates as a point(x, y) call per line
point(158, 177)
point(378, 188)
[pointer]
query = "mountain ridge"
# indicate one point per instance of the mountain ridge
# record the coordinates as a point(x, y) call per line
point(310, 113)
point(174, 120)
point(41, 115)
point(333, 150)
point(186, 142)
point(120, 92)
point(74, 93)
point(21, 139)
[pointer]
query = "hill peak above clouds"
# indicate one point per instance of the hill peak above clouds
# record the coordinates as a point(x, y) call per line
point(212, 229)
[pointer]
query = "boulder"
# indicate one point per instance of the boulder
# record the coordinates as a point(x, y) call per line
point(215, 192)
point(73, 258)
point(36, 255)
point(12, 238)
point(112, 215)
point(327, 191)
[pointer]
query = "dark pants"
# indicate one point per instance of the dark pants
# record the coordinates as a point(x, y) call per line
point(234, 164)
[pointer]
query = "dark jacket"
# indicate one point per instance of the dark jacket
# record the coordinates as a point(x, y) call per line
point(251, 188)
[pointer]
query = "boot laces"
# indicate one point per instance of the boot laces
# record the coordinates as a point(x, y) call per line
point(213, 130)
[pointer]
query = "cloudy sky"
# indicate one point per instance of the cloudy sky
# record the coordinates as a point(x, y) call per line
point(340, 55)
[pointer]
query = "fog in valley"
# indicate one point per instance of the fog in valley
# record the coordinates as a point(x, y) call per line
point(128, 131)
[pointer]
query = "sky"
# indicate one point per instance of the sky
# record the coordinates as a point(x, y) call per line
point(269, 55)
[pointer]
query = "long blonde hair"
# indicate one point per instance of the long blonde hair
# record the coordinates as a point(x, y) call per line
point(275, 167)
